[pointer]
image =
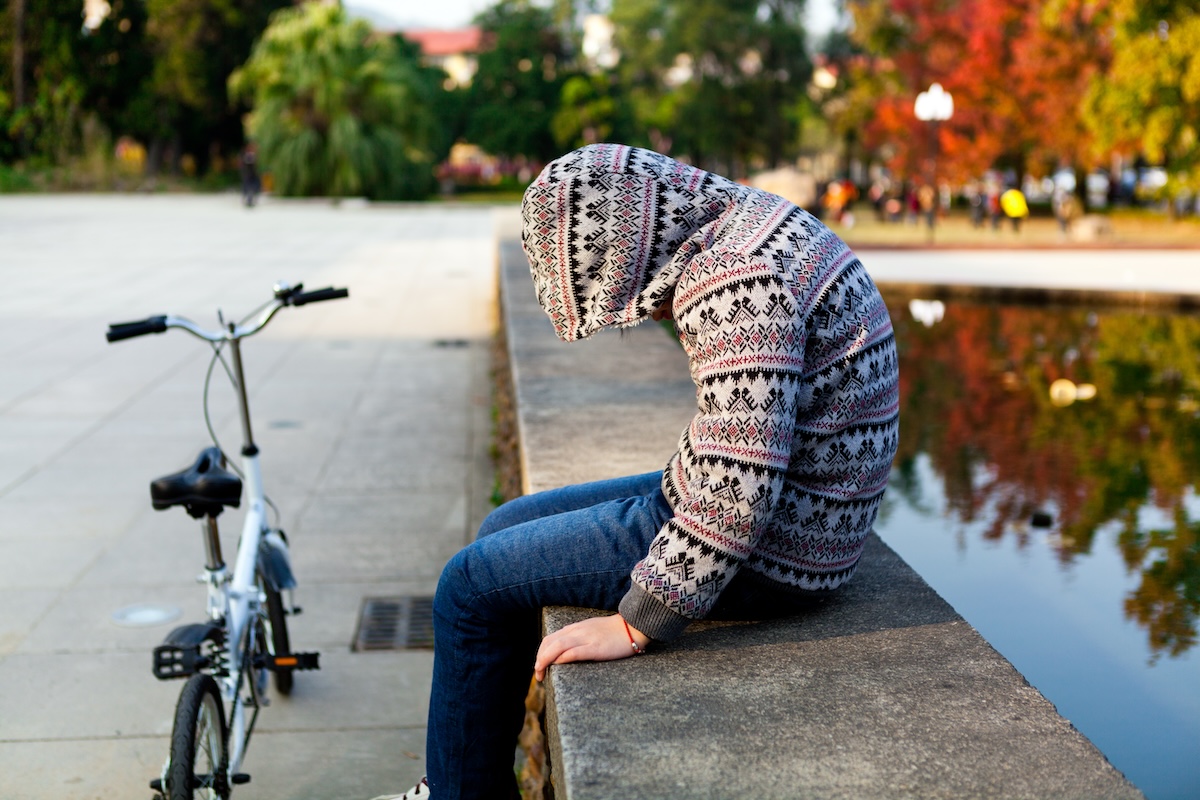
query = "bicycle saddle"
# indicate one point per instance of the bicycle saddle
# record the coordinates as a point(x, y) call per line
point(204, 488)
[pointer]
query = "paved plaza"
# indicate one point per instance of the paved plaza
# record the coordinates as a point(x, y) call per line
point(373, 415)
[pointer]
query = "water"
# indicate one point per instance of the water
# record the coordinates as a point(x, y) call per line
point(1062, 520)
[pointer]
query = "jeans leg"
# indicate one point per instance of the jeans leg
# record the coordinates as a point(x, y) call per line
point(487, 620)
point(568, 498)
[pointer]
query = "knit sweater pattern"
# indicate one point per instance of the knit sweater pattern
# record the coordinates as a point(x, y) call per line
point(782, 470)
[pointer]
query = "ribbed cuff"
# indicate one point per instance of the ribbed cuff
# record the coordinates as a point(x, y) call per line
point(649, 615)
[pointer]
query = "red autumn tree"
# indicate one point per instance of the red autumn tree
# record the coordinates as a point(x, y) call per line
point(1017, 70)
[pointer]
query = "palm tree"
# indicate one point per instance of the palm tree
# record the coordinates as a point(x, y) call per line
point(337, 110)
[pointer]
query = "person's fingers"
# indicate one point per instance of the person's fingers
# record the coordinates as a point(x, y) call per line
point(550, 649)
point(595, 639)
point(553, 646)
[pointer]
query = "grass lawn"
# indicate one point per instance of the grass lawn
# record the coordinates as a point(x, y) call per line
point(1127, 229)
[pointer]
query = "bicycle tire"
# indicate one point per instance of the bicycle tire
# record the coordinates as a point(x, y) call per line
point(277, 641)
point(199, 755)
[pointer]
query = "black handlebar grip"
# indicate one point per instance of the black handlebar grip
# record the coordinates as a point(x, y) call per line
point(317, 295)
point(127, 330)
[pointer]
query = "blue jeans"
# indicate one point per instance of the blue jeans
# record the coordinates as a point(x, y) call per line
point(573, 546)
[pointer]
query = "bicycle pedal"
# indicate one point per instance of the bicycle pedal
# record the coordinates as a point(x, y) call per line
point(172, 661)
point(156, 785)
point(296, 611)
point(296, 661)
point(238, 778)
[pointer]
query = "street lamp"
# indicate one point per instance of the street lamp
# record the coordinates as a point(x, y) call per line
point(934, 106)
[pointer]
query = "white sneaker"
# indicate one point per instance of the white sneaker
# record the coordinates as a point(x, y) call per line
point(418, 792)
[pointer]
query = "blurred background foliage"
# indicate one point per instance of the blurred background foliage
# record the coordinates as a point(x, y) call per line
point(142, 92)
point(337, 112)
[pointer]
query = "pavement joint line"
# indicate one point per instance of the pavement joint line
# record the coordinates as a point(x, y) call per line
point(339, 439)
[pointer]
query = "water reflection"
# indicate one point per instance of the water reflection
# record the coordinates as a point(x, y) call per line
point(1058, 421)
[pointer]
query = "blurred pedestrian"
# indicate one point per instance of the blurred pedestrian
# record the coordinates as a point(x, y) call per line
point(1015, 207)
point(877, 194)
point(251, 183)
point(1065, 209)
point(977, 201)
point(992, 202)
point(927, 201)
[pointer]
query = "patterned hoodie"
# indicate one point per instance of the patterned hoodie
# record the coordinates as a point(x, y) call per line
point(781, 472)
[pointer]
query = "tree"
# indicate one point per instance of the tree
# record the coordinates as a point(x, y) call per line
point(152, 69)
point(196, 45)
point(718, 80)
point(445, 110)
point(1065, 49)
point(1016, 68)
point(587, 112)
point(336, 110)
point(1148, 101)
point(42, 66)
point(515, 92)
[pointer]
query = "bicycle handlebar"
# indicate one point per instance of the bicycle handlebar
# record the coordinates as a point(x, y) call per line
point(317, 295)
point(127, 330)
point(284, 296)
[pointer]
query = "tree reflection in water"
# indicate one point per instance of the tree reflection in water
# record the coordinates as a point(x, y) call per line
point(976, 397)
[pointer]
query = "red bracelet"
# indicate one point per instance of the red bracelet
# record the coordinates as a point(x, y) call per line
point(636, 650)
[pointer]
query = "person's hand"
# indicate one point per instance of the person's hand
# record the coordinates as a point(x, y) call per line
point(592, 639)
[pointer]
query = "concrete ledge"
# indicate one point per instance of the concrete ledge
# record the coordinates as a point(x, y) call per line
point(883, 691)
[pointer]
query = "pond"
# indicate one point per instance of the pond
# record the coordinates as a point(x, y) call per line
point(1046, 486)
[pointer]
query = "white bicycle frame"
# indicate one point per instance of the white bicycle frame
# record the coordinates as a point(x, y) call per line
point(237, 598)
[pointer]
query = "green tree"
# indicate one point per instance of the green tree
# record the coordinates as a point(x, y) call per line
point(196, 45)
point(46, 80)
point(515, 92)
point(587, 112)
point(1149, 99)
point(117, 62)
point(152, 69)
point(336, 109)
point(722, 81)
point(445, 108)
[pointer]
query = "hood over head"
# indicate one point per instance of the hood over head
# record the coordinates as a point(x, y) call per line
point(608, 229)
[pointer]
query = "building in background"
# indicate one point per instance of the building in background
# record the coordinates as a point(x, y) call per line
point(455, 51)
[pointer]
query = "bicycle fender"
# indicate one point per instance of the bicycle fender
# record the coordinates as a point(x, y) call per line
point(275, 562)
point(188, 636)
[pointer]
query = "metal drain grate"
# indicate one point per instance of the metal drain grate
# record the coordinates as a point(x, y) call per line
point(395, 623)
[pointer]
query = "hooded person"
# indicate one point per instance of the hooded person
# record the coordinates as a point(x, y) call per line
point(769, 499)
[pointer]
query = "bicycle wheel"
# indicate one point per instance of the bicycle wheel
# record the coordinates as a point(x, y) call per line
point(198, 758)
point(276, 638)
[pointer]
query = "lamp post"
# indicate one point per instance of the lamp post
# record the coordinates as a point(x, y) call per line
point(934, 106)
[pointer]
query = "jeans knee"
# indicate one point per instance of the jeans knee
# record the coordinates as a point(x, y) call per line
point(454, 585)
point(493, 522)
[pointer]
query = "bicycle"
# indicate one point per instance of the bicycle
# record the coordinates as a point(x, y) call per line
point(245, 637)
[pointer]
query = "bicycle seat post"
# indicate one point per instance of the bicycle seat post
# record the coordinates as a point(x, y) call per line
point(214, 561)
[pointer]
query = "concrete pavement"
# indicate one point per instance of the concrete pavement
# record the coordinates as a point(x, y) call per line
point(373, 417)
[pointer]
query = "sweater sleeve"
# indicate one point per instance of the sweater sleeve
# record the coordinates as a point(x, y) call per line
point(741, 327)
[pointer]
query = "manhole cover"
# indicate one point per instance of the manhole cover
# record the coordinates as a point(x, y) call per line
point(395, 623)
point(145, 616)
